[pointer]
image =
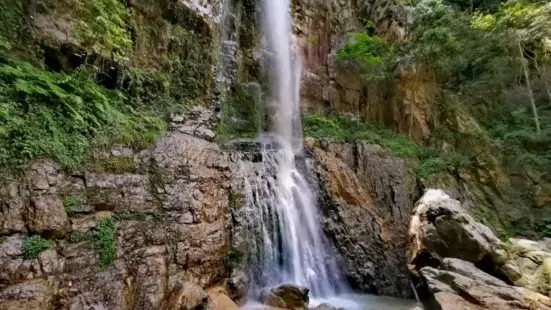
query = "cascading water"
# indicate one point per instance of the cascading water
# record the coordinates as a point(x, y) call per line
point(288, 245)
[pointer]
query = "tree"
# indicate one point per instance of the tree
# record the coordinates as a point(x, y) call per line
point(526, 26)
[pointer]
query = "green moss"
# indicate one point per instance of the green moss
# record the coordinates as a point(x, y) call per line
point(345, 128)
point(105, 240)
point(35, 245)
point(235, 201)
point(139, 216)
point(241, 113)
point(79, 237)
point(116, 165)
point(73, 203)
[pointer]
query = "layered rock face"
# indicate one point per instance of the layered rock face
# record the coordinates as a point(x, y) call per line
point(365, 200)
point(322, 27)
point(460, 263)
point(170, 226)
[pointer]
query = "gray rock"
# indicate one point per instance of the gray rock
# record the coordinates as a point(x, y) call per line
point(441, 228)
point(477, 290)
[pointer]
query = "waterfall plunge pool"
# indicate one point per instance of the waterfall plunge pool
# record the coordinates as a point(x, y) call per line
point(351, 302)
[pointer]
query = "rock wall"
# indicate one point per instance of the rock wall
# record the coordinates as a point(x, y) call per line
point(366, 199)
point(322, 27)
point(170, 217)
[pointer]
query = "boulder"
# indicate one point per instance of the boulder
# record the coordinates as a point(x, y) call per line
point(219, 300)
point(186, 295)
point(460, 285)
point(286, 296)
point(441, 228)
point(530, 264)
point(238, 283)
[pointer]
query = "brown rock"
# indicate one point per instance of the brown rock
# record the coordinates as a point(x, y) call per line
point(370, 246)
point(186, 295)
point(46, 215)
point(221, 301)
point(286, 296)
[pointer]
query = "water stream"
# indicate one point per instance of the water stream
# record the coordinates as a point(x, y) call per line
point(279, 223)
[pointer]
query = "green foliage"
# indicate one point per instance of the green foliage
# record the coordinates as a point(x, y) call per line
point(35, 245)
point(241, 114)
point(369, 54)
point(73, 203)
point(442, 164)
point(102, 28)
point(116, 165)
point(544, 227)
point(44, 114)
point(78, 237)
point(344, 128)
point(106, 242)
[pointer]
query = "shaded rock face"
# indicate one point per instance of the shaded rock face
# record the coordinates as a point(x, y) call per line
point(322, 27)
point(170, 217)
point(365, 211)
point(286, 296)
point(441, 228)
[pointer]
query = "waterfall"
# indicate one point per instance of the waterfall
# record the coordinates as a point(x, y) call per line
point(286, 243)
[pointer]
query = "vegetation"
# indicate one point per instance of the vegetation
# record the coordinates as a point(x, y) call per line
point(34, 245)
point(105, 240)
point(102, 29)
point(369, 55)
point(346, 128)
point(73, 203)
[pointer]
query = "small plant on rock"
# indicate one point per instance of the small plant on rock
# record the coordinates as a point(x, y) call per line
point(105, 242)
point(35, 245)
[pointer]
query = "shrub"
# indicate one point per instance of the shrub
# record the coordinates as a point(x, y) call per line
point(44, 114)
point(35, 245)
point(345, 128)
point(106, 242)
point(71, 203)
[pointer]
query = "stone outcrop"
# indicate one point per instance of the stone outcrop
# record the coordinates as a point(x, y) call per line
point(365, 204)
point(322, 27)
point(530, 265)
point(460, 285)
point(459, 263)
point(440, 228)
point(170, 214)
point(286, 296)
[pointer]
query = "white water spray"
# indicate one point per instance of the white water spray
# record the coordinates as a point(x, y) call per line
point(289, 245)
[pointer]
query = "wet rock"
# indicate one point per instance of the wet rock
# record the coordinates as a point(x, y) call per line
point(286, 296)
point(238, 283)
point(325, 307)
point(370, 243)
